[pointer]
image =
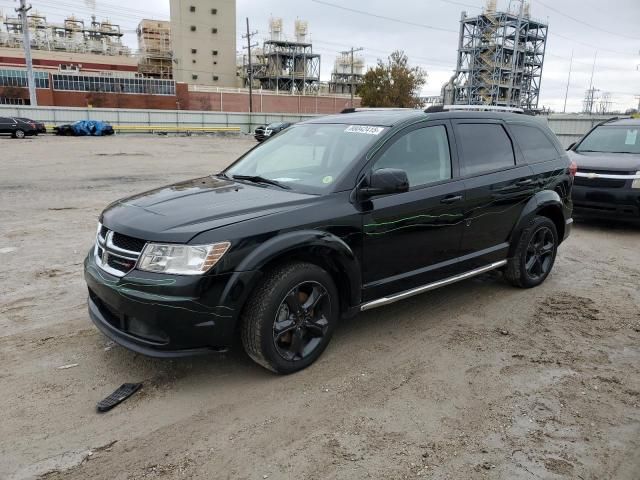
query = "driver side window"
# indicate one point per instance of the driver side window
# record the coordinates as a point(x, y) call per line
point(422, 153)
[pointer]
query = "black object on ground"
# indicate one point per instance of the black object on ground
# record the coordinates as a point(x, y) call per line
point(119, 396)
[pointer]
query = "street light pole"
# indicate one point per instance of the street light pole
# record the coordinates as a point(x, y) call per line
point(26, 40)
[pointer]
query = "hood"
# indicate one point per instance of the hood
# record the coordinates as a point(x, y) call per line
point(176, 213)
point(624, 162)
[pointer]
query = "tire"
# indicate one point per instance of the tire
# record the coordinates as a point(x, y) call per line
point(275, 332)
point(535, 254)
point(19, 134)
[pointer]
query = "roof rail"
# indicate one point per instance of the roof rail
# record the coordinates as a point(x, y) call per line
point(612, 119)
point(483, 108)
point(386, 109)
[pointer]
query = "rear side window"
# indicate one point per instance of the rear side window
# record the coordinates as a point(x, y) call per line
point(423, 154)
point(485, 147)
point(535, 145)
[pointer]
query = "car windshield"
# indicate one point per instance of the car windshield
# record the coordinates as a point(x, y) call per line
point(612, 139)
point(310, 157)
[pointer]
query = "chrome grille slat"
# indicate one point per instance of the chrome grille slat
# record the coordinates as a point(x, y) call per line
point(109, 257)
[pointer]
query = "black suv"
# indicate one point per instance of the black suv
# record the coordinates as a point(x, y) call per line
point(333, 216)
point(17, 128)
point(608, 180)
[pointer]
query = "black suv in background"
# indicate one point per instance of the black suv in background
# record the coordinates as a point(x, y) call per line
point(607, 184)
point(331, 217)
point(264, 132)
point(16, 127)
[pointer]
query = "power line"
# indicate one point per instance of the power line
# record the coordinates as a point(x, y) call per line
point(590, 25)
point(384, 17)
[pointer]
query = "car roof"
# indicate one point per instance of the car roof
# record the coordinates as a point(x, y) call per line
point(623, 121)
point(392, 117)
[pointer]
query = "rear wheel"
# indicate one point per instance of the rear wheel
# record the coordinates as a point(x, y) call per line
point(19, 134)
point(535, 254)
point(288, 321)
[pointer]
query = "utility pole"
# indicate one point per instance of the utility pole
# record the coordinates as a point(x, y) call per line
point(250, 73)
point(26, 40)
point(591, 89)
point(352, 82)
point(566, 93)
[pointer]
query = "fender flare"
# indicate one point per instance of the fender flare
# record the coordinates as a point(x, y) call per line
point(332, 250)
point(541, 200)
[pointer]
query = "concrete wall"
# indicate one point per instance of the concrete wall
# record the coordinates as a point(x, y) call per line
point(570, 128)
point(156, 118)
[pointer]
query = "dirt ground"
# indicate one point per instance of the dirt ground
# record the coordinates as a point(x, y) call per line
point(477, 380)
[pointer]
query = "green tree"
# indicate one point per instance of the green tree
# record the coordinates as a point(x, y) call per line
point(393, 83)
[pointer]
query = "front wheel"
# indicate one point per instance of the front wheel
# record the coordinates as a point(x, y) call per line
point(288, 321)
point(535, 254)
point(19, 134)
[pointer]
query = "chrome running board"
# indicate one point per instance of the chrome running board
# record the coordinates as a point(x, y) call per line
point(431, 286)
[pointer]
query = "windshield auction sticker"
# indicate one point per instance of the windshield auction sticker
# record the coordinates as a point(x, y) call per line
point(632, 136)
point(366, 129)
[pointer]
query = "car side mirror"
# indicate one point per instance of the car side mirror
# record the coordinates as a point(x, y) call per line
point(385, 182)
point(570, 147)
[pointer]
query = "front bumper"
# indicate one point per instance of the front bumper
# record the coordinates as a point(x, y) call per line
point(617, 203)
point(164, 315)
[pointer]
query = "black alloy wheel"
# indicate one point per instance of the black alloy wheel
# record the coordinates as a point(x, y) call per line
point(540, 253)
point(535, 254)
point(302, 321)
point(289, 319)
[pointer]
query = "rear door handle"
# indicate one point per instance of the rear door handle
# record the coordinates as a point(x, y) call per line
point(522, 183)
point(451, 199)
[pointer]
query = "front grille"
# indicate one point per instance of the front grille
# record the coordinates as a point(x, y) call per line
point(128, 243)
point(599, 182)
point(115, 253)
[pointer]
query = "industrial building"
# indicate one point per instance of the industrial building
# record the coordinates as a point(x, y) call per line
point(70, 45)
point(500, 58)
point(154, 46)
point(288, 65)
point(204, 42)
point(73, 35)
point(347, 74)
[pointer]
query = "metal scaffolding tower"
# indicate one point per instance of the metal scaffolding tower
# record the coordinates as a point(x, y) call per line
point(348, 72)
point(154, 44)
point(288, 65)
point(500, 57)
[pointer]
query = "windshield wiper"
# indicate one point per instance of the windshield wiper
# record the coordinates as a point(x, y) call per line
point(259, 179)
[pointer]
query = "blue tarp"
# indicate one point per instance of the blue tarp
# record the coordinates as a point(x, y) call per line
point(89, 127)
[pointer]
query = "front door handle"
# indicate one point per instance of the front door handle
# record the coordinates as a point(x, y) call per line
point(451, 199)
point(522, 183)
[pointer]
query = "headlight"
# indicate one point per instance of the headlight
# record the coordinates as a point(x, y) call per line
point(181, 259)
point(636, 182)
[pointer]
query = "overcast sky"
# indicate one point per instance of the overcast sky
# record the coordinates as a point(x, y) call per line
point(584, 26)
